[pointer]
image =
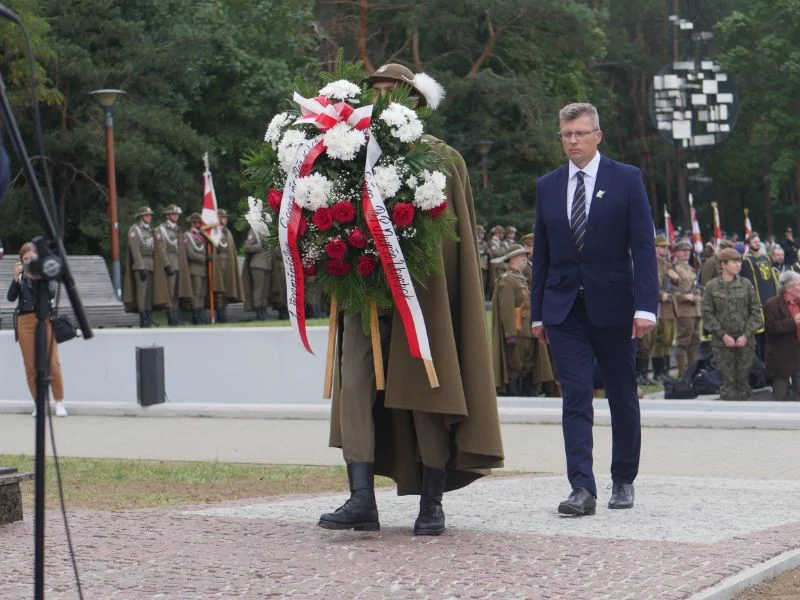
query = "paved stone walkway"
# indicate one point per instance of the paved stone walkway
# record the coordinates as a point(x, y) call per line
point(504, 540)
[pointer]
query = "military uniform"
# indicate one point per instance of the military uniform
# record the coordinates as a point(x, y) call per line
point(277, 288)
point(497, 250)
point(528, 270)
point(687, 338)
point(485, 256)
point(170, 258)
point(732, 308)
point(510, 237)
point(665, 328)
point(256, 276)
point(757, 269)
point(198, 258)
point(227, 281)
point(138, 285)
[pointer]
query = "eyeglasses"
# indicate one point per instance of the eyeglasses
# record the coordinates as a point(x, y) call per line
point(578, 134)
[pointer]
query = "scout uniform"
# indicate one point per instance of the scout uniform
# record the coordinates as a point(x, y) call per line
point(196, 252)
point(137, 293)
point(687, 338)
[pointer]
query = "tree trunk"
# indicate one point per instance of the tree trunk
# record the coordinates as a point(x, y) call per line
point(363, 33)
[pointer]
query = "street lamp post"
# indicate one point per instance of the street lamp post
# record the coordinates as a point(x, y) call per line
point(483, 148)
point(107, 99)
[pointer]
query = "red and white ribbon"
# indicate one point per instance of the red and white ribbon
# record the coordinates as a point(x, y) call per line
point(387, 244)
point(288, 225)
point(325, 114)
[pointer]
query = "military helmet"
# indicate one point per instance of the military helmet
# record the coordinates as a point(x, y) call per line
point(526, 237)
point(728, 254)
point(222, 213)
point(511, 229)
point(144, 211)
point(662, 241)
point(480, 227)
point(173, 209)
point(195, 218)
point(498, 229)
point(682, 245)
point(514, 250)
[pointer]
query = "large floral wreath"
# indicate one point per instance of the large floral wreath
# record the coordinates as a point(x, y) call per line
point(357, 194)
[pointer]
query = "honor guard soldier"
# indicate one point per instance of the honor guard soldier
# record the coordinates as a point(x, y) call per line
point(757, 269)
point(277, 288)
point(527, 245)
point(665, 328)
point(170, 258)
point(227, 280)
point(198, 258)
point(510, 236)
point(497, 250)
point(687, 308)
point(256, 276)
point(137, 288)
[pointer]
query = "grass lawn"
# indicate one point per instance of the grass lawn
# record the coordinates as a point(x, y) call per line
point(100, 484)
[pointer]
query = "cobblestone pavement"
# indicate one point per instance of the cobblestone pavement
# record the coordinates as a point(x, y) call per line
point(504, 540)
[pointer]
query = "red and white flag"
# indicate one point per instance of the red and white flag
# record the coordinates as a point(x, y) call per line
point(210, 225)
point(668, 226)
point(748, 226)
point(717, 226)
point(697, 238)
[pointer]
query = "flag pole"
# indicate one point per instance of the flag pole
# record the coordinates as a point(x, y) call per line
point(209, 252)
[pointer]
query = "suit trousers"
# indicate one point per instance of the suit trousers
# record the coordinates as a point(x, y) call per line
point(576, 345)
point(144, 291)
point(26, 331)
point(358, 394)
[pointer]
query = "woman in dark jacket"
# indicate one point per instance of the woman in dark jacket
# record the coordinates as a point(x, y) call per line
point(782, 323)
point(22, 290)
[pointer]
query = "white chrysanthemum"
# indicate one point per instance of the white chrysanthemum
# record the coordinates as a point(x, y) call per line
point(276, 126)
point(430, 192)
point(312, 191)
point(341, 90)
point(404, 122)
point(388, 181)
point(257, 218)
point(288, 146)
point(343, 141)
point(412, 181)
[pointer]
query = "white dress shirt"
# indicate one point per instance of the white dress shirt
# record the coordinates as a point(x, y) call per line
point(589, 182)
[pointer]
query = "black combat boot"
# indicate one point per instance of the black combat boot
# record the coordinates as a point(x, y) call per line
point(150, 319)
point(197, 318)
point(171, 317)
point(143, 319)
point(431, 516)
point(176, 316)
point(658, 363)
point(360, 511)
point(222, 314)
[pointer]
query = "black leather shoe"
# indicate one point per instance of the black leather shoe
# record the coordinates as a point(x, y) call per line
point(621, 496)
point(360, 511)
point(580, 503)
point(431, 516)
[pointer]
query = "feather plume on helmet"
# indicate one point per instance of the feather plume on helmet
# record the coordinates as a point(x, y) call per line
point(430, 92)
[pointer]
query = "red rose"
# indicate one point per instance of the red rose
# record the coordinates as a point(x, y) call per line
point(344, 211)
point(302, 225)
point(336, 249)
point(357, 238)
point(338, 267)
point(322, 219)
point(403, 214)
point(274, 198)
point(310, 269)
point(438, 210)
point(365, 265)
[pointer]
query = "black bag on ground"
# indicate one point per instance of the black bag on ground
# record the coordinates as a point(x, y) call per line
point(707, 381)
point(678, 389)
point(758, 375)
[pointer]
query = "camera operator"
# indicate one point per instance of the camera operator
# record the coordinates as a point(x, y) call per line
point(22, 289)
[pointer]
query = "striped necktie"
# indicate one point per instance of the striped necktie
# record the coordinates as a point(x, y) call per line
point(578, 215)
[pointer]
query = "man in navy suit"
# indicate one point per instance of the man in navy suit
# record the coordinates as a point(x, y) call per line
point(594, 289)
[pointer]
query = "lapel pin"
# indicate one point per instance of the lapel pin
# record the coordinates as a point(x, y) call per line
point(600, 193)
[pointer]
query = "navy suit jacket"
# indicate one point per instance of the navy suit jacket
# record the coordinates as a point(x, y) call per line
point(617, 269)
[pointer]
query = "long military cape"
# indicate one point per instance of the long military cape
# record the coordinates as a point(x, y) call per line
point(453, 307)
point(231, 284)
point(161, 291)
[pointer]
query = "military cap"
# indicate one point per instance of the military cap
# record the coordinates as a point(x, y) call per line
point(662, 241)
point(425, 88)
point(526, 237)
point(514, 250)
point(728, 254)
point(222, 213)
point(511, 229)
point(682, 245)
point(195, 218)
point(498, 229)
point(173, 209)
point(143, 211)
point(726, 244)
point(480, 228)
